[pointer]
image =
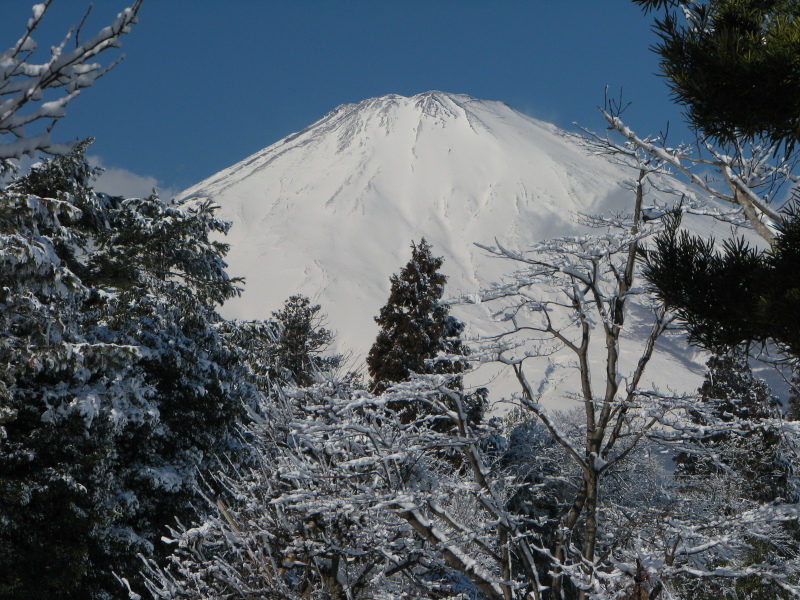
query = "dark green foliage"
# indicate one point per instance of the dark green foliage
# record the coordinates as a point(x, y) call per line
point(745, 453)
point(50, 520)
point(733, 65)
point(783, 294)
point(254, 346)
point(649, 5)
point(67, 176)
point(732, 394)
point(116, 383)
point(415, 327)
point(794, 395)
point(300, 342)
point(738, 295)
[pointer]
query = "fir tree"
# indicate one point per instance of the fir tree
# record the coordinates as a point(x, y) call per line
point(301, 340)
point(416, 329)
point(116, 384)
point(57, 475)
point(415, 326)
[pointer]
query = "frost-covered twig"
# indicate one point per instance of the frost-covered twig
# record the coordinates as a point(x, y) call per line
point(49, 86)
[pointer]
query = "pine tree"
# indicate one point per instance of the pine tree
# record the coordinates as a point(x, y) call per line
point(415, 326)
point(733, 65)
point(733, 296)
point(301, 340)
point(732, 394)
point(116, 383)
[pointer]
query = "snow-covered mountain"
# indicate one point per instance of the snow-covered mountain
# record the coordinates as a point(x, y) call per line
point(331, 211)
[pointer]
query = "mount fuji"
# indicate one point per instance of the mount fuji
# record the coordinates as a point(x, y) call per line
point(330, 212)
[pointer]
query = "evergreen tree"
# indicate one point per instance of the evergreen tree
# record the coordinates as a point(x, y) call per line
point(301, 340)
point(415, 326)
point(57, 487)
point(735, 296)
point(116, 384)
point(733, 65)
point(732, 394)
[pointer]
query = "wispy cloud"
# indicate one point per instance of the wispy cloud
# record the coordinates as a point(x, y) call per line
point(122, 182)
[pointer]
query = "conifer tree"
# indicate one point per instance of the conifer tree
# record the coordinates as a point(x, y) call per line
point(731, 394)
point(415, 326)
point(301, 340)
point(733, 296)
point(733, 65)
point(62, 501)
point(116, 384)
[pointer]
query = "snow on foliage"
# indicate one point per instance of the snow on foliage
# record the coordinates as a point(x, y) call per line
point(746, 177)
point(116, 379)
point(355, 498)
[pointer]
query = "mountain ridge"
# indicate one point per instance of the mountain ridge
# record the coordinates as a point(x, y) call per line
point(330, 212)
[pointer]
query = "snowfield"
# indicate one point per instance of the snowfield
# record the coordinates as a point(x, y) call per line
point(330, 212)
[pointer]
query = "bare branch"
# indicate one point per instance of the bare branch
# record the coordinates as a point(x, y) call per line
point(23, 83)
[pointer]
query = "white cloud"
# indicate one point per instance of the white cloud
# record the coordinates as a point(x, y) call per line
point(121, 182)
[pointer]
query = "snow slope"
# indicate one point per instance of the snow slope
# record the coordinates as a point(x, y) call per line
point(330, 212)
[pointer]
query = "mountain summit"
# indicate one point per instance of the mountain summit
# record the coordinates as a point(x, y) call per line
point(330, 212)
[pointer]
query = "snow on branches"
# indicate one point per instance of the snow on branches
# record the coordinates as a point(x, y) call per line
point(45, 89)
point(630, 531)
point(354, 498)
point(746, 176)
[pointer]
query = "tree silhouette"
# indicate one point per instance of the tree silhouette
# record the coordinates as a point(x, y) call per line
point(415, 326)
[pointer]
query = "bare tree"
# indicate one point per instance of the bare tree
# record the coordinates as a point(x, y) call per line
point(304, 520)
point(748, 176)
point(567, 292)
point(434, 512)
point(449, 512)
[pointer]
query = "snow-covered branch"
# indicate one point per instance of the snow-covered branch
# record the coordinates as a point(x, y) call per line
point(31, 92)
point(752, 180)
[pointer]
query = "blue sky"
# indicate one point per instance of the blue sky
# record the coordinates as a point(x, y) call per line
point(206, 83)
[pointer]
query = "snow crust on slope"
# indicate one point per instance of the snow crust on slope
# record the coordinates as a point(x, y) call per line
point(330, 212)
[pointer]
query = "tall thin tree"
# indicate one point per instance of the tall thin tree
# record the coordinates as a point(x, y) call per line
point(415, 326)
